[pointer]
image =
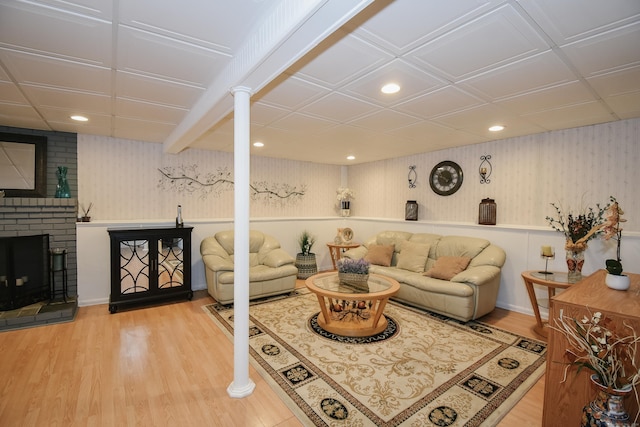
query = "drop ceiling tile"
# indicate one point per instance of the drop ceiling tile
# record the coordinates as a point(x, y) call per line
point(218, 25)
point(27, 68)
point(626, 106)
point(560, 21)
point(570, 116)
point(492, 40)
point(141, 130)
point(296, 122)
point(263, 114)
point(339, 59)
point(338, 107)
point(412, 82)
point(432, 136)
point(419, 21)
point(507, 80)
point(617, 82)
point(477, 121)
point(439, 102)
point(11, 94)
point(385, 120)
point(102, 9)
point(544, 99)
point(98, 124)
point(73, 101)
point(611, 51)
point(142, 52)
point(291, 93)
point(55, 32)
point(150, 89)
point(23, 116)
point(129, 108)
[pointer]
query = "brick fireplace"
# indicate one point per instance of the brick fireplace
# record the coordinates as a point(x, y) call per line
point(56, 217)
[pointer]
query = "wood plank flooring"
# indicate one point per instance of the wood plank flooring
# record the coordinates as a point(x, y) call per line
point(166, 365)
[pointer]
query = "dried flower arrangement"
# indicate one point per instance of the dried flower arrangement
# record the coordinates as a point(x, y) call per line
point(610, 351)
point(578, 229)
point(353, 266)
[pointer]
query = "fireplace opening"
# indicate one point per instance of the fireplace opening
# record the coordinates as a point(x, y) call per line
point(24, 270)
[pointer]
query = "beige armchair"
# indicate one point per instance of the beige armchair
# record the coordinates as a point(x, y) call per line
point(271, 269)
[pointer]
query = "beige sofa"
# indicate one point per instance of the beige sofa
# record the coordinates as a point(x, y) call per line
point(271, 269)
point(468, 294)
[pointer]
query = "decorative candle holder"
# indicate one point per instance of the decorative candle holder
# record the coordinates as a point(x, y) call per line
point(547, 252)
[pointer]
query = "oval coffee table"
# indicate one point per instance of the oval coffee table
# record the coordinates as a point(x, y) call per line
point(349, 310)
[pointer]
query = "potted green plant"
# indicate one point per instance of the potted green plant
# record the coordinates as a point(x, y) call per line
point(612, 230)
point(305, 259)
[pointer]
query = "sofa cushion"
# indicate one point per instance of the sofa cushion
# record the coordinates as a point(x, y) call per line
point(413, 256)
point(380, 254)
point(448, 266)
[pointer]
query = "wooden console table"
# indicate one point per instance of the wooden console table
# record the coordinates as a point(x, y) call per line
point(563, 401)
point(552, 281)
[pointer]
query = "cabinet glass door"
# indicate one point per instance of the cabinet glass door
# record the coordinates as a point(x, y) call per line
point(134, 266)
point(170, 263)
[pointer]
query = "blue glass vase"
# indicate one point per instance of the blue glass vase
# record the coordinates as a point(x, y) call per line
point(62, 189)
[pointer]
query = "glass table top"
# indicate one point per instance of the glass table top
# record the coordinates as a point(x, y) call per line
point(331, 282)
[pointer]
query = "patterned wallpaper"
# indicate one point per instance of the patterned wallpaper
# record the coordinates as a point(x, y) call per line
point(575, 168)
point(122, 180)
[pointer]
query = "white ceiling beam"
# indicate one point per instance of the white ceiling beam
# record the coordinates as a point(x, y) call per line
point(292, 29)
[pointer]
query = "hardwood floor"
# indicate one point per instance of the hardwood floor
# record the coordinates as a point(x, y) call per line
point(166, 365)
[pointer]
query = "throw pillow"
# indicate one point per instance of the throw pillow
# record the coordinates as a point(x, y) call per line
point(413, 256)
point(448, 266)
point(380, 254)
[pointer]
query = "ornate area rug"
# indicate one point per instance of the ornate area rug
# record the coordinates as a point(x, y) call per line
point(424, 370)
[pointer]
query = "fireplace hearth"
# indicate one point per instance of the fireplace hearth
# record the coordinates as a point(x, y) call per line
point(24, 270)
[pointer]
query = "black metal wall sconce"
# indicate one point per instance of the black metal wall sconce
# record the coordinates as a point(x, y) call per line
point(413, 176)
point(485, 169)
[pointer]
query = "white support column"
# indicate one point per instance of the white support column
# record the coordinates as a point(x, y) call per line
point(242, 385)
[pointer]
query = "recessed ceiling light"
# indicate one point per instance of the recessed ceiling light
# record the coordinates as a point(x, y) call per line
point(79, 118)
point(351, 157)
point(258, 144)
point(496, 128)
point(390, 88)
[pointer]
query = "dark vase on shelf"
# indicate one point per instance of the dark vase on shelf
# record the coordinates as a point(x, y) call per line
point(62, 189)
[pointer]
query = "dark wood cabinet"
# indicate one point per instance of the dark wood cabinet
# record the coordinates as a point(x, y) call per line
point(149, 265)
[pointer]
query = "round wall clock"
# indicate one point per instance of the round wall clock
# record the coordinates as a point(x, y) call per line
point(446, 178)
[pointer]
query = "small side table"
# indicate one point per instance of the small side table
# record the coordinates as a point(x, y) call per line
point(552, 280)
point(336, 251)
point(58, 264)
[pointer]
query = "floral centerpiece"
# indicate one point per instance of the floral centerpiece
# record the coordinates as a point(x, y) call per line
point(607, 349)
point(578, 229)
point(353, 272)
point(344, 196)
point(613, 230)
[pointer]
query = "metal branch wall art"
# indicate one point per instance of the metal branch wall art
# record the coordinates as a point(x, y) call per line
point(187, 179)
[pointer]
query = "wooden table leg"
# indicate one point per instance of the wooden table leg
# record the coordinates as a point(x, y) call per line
point(539, 328)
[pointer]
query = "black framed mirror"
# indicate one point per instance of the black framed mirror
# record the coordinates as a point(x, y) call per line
point(23, 164)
